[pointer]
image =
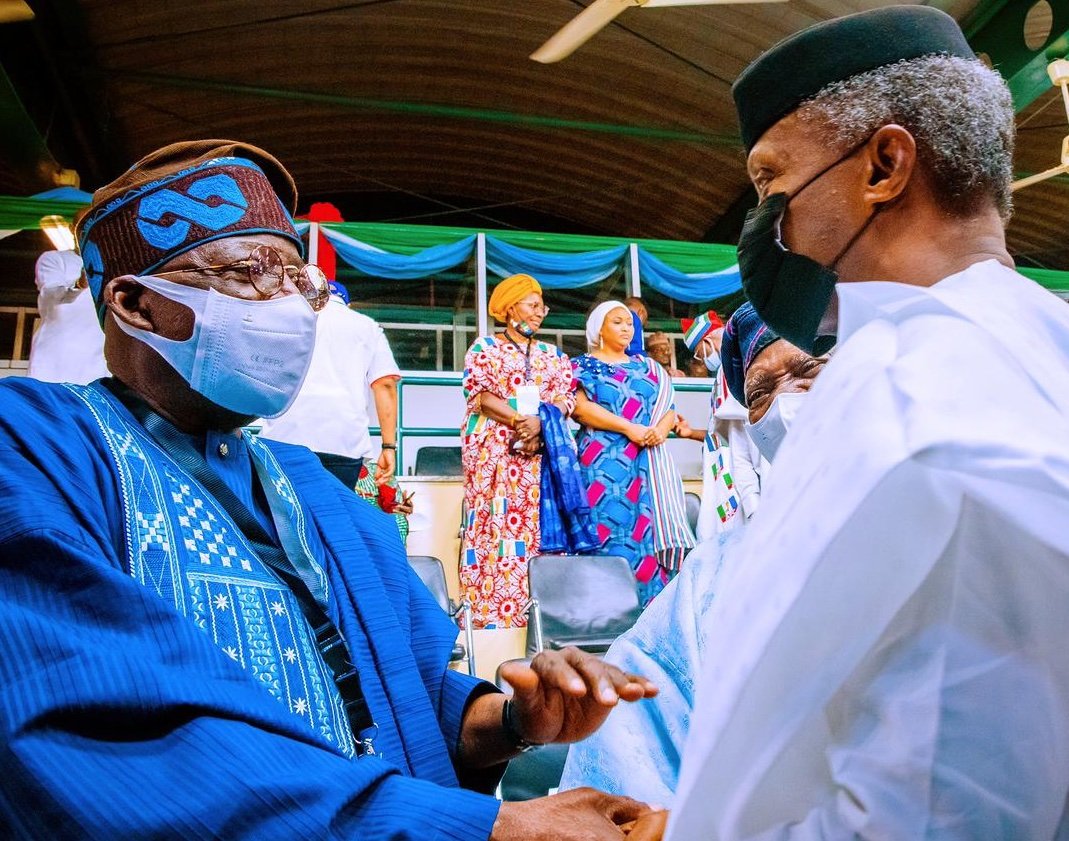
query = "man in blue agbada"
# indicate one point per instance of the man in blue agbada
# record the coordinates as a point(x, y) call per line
point(162, 572)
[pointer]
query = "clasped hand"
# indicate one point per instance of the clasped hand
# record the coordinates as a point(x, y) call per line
point(564, 696)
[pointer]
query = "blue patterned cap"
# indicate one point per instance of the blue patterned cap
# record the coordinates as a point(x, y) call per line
point(745, 336)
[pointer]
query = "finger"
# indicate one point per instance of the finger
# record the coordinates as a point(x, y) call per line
point(521, 677)
point(597, 675)
point(555, 672)
point(620, 809)
point(650, 827)
point(628, 687)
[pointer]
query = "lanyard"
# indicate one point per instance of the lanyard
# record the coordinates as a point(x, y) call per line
point(526, 357)
point(299, 577)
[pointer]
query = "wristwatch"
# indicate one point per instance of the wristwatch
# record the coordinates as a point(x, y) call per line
point(388, 446)
point(512, 732)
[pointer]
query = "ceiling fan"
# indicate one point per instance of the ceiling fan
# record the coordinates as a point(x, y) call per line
point(1058, 70)
point(598, 15)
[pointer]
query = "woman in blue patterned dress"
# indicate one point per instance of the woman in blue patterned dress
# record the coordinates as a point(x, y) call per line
point(625, 405)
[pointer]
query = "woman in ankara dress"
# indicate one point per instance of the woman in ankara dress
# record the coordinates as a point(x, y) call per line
point(506, 376)
point(626, 406)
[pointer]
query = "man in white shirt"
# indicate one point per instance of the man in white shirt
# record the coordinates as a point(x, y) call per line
point(637, 751)
point(68, 346)
point(887, 650)
point(330, 414)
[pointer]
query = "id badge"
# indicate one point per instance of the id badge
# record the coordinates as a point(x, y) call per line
point(527, 399)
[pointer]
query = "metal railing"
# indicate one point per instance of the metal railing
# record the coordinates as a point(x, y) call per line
point(456, 381)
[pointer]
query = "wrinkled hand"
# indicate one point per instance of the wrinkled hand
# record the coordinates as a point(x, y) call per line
point(583, 814)
point(636, 434)
point(564, 696)
point(385, 467)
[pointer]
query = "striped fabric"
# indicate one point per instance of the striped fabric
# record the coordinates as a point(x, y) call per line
point(672, 535)
point(120, 716)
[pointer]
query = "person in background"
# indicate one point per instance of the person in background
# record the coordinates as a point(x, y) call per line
point(68, 346)
point(637, 752)
point(659, 348)
point(729, 477)
point(205, 634)
point(889, 657)
point(695, 367)
point(625, 406)
point(351, 360)
point(387, 497)
point(506, 377)
point(639, 316)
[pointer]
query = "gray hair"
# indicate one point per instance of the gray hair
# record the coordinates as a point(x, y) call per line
point(958, 110)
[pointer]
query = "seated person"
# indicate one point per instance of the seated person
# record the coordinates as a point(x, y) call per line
point(637, 752)
point(205, 634)
point(659, 349)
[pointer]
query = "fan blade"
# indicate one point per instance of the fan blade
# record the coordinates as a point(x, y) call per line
point(580, 29)
point(650, 4)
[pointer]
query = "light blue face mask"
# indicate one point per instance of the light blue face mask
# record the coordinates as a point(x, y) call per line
point(712, 362)
point(769, 432)
point(250, 357)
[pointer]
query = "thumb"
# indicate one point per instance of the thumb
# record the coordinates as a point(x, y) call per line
point(523, 679)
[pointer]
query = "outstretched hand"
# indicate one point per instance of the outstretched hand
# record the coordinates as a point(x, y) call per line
point(564, 696)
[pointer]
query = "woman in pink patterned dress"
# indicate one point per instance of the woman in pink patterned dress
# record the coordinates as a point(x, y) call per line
point(506, 375)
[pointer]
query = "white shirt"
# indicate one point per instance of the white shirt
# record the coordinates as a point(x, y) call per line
point(68, 346)
point(330, 413)
point(892, 660)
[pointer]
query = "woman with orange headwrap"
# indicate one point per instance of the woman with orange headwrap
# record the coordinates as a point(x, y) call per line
point(506, 376)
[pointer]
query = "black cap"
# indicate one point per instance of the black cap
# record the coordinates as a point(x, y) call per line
point(795, 69)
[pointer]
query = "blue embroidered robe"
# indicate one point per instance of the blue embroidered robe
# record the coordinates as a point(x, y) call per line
point(154, 679)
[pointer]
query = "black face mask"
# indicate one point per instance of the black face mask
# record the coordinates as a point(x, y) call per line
point(791, 292)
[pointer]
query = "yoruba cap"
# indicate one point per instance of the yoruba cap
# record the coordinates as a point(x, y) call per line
point(745, 336)
point(179, 197)
point(797, 68)
point(511, 290)
point(338, 291)
point(696, 329)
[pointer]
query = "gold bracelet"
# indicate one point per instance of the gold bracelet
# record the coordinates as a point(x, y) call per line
point(514, 419)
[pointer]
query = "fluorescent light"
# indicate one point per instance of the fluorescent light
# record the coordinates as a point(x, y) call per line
point(59, 232)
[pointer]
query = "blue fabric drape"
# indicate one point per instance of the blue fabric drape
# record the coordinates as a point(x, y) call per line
point(690, 288)
point(554, 271)
point(565, 522)
point(378, 263)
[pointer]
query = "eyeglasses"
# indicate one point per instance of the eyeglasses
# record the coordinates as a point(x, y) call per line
point(267, 272)
point(537, 309)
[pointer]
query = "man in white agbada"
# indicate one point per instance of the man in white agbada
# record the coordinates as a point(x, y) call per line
point(638, 749)
point(68, 346)
point(890, 636)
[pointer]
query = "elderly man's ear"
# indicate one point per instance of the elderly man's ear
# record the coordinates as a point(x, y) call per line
point(125, 298)
point(892, 156)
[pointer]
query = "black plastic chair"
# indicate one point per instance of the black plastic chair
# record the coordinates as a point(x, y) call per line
point(694, 505)
point(432, 573)
point(581, 600)
point(438, 461)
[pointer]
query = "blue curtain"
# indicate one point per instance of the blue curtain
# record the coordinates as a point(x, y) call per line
point(553, 271)
point(689, 288)
point(378, 263)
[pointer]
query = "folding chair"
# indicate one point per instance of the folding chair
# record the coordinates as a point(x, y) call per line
point(432, 573)
point(438, 461)
point(693, 504)
point(581, 600)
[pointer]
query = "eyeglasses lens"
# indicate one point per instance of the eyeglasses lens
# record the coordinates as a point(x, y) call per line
point(266, 270)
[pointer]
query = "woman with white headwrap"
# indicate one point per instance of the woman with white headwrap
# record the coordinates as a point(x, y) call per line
point(626, 407)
